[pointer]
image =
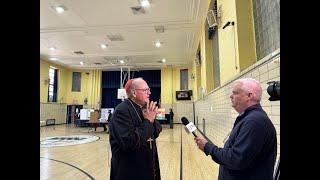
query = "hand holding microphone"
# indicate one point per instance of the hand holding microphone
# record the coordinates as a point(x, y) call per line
point(201, 142)
point(190, 128)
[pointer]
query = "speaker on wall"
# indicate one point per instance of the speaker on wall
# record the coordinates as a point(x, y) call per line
point(211, 18)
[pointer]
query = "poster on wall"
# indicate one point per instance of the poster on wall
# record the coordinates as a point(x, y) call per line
point(161, 114)
point(105, 113)
point(85, 113)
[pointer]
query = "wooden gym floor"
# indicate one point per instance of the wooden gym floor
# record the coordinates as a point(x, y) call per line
point(92, 160)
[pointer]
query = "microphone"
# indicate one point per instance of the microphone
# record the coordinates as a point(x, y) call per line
point(189, 126)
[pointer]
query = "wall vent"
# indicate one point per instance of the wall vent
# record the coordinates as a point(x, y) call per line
point(159, 29)
point(116, 37)
point(78, 52)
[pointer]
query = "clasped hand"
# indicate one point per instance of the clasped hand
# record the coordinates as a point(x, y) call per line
point(150, 111)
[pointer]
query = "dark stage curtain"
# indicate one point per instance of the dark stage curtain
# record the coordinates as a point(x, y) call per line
point(111, 83)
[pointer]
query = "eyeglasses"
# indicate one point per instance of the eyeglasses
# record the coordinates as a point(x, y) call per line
point(146, 90)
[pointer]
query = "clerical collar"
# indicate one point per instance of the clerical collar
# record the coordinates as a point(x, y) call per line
point(135, 104)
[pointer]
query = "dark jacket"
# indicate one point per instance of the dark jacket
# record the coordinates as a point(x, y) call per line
point(132, 157)
point(109, 117)
point(250, 152)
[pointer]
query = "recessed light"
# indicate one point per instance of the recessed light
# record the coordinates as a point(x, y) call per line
point(145, 3)
point(163, 60)
point(53, 58)
point(81, 62)
point(103, 46)
point(60, 9)
point(121, 61)
point(158, 44)
point(52, 48)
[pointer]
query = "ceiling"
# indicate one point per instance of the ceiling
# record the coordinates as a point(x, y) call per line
point(86, 24)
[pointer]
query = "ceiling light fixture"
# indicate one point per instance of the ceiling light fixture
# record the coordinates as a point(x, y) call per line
point(52, 48)
point(144, 3)
point(103, 46)
point(163, 60)
point(121, 61)
point(81, 62)
point(158, 44)
point(60, 9)
point(53, 58)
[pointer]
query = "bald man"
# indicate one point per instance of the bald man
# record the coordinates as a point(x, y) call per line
point(251, 149)
point(133, 132)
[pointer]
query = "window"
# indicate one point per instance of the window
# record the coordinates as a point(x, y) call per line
point(76, 82)
point(215, 60)
point(266, 15)
point(183, 79)
point(53, 85)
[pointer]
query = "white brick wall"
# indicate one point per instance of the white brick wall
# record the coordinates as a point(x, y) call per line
point(53, 111)
point(182, 109)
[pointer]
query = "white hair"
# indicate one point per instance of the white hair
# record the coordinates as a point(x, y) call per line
point(135, 82)
point(250, 85)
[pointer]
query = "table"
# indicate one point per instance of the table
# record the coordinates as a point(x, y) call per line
point(95, 124)
point(80, 122)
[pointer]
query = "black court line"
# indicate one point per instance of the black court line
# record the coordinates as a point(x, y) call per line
point(181, 154)
point(71, 166)
point(181, 149)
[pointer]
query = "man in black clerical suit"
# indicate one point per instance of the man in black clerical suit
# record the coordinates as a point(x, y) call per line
point(133, 132)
